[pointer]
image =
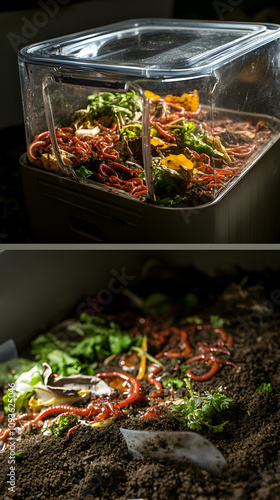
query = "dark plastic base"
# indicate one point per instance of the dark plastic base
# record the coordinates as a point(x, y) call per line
point(64, 211)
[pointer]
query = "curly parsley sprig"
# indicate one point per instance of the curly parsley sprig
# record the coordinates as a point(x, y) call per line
point(198, 410)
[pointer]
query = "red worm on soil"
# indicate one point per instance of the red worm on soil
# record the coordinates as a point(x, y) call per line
point(134, 393)
point(106, 129)
point(155, 382)
point(135, 386)
point(56, 410)
point(205, 348)
point(36, 144)
point(206, 376)
point(193, 114)
point(225, 338)
point(153, 412)
point(166, 135)
point(72, 429)
point(102, 146)
point(4, 433)
point(210, 359)
point(241, 151)
point(160, 337)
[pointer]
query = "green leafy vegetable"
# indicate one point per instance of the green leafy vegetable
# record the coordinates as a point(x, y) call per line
point(83, 172)
point(18, 394)
point(157, 302)
point(188, 127)
point(169, 202)
point(199, 410)
point(216, 321)
point(265, 386)
point(141, 174)
point(47, 348)
point(184, 368)
point(64, 363)
point(113, 104)
point(99, 340)
point(164, 183)
point(197, 138)
point(20, 454)
point(131, 131)
point(120, 342)
point(59, 426)
point(194, 319)
point(105, 339)
point(172, 382)
point(194, 142)
point(92, 318)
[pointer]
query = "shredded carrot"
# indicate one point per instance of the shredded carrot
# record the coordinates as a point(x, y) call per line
point(143, 360)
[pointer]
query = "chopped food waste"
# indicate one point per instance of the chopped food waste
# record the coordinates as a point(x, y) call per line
point(195, 154)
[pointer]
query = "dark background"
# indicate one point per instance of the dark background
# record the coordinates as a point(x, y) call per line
point(77, 16)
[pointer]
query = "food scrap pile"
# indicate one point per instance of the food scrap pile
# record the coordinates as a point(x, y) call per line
point(142, 369)
point(206, 362)
point(193, 156)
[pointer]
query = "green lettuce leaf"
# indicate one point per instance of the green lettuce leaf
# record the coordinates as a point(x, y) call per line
point(98, 340)
point(113, 104)
point(83, 172)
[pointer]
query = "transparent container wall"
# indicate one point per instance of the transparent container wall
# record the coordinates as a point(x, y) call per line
point(78, 124)
point(245, 111)
point(181, 113)
point(250, 83)
point(31, 78)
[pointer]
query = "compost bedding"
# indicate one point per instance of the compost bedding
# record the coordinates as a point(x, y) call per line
point(94, 463)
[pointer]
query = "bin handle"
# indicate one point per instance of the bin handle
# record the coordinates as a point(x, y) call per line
point(66, 169)
point(86, 82)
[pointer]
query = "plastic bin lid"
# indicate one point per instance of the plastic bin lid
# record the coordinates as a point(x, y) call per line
point(153, 47)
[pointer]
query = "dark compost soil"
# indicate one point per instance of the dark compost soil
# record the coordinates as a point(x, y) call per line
point(94, 463)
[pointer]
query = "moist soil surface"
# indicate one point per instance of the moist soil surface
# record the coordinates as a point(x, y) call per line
point(94, 462)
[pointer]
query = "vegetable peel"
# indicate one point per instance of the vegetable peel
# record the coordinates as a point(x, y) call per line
point(176, 161)
point(189, 102)
point(155, 141)
point(103, 423)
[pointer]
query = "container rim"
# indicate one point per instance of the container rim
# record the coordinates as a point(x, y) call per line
point(50, 52)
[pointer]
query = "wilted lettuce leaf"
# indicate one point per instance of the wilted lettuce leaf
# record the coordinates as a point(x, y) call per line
point(18, 395)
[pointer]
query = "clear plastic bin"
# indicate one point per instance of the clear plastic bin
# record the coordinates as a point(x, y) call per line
point(165, 112)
